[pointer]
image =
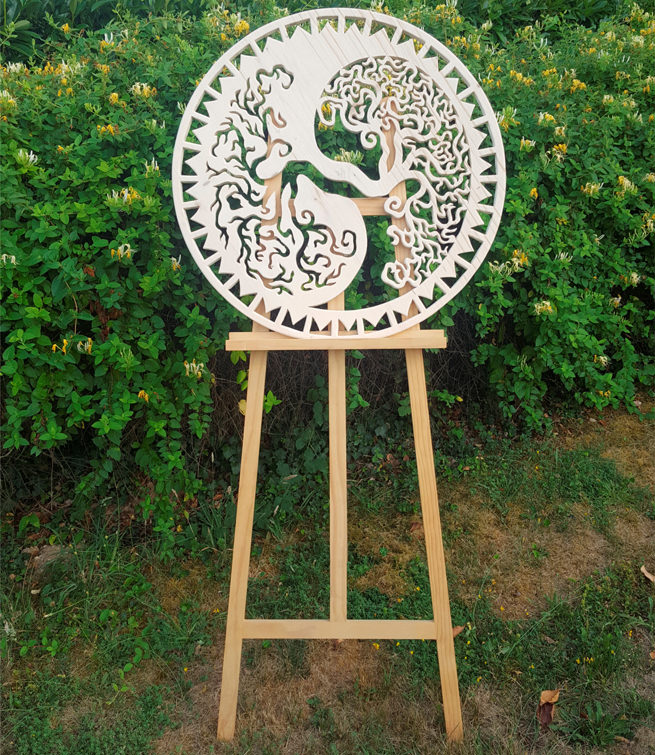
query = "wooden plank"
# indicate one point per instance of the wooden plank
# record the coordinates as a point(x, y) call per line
point(433, 544)
point(322, 629)
point(236, 610)
point(430, 510)
point(373, 206)
point(269, 341)
point(242, 542)
point(338, 478)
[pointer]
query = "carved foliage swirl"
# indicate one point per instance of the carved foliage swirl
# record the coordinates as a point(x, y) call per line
point(252, 186)
point(377, 96)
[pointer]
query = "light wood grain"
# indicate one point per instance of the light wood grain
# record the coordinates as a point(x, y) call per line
point(267, 341)
point(323, 629)
point(242, 541)
point(433, 543)
point(338, 479)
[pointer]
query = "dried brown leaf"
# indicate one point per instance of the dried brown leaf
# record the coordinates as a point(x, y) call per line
point(546, 707)
point(457, 630)
point(647, 574)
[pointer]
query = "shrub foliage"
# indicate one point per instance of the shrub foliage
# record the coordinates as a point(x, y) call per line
point(112, 340)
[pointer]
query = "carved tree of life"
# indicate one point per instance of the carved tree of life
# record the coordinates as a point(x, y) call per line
point(418, 117)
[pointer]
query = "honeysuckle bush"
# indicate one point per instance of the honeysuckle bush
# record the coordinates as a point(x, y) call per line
point(566, 305)
point(112, 340)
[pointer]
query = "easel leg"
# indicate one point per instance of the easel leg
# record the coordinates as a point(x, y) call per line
point(338, 486)
point(434, 544)
point(236, 611)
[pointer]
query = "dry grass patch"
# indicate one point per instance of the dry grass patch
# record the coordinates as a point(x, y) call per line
point(625, 438)
point(399, 538)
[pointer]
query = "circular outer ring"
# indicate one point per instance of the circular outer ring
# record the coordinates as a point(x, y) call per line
point(457, 76)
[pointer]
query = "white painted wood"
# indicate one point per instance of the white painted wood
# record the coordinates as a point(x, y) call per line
point(297, 249)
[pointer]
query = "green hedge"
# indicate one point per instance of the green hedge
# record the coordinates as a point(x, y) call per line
point(112, 341)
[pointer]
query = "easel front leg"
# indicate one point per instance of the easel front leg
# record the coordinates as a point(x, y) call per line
point(434, 544)
point(236, 611)
point(338, 487)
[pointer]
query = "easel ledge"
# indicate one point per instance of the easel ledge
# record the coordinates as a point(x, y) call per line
point(270, 341)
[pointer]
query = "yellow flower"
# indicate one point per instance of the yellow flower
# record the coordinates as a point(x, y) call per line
point(242, 27)
point(143, 395)
point(376, 645)
point(113, 98)
point(54, 347)
point(66, 29)
point(534, 193)
point(108, 129)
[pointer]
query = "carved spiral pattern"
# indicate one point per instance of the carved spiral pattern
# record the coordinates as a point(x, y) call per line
point(277, 245)
point(379, 95)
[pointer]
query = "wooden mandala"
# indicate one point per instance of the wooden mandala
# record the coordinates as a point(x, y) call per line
point(302, 129)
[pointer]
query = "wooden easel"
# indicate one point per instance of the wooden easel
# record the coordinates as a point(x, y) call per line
point(259, 342)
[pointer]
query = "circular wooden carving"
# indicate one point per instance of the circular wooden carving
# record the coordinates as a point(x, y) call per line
point(275, 221)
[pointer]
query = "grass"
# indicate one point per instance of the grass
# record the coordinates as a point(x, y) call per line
point(547, 482)
point(107, 650)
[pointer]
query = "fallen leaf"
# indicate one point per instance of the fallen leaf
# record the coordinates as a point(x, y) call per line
point(416, 529)
point(652, 655)
point(647, 574)
point(457, 630)
point(546, 707)
point(242, 406)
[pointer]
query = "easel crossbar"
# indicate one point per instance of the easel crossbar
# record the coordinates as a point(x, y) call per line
point(270, 341)
point(324, 629)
